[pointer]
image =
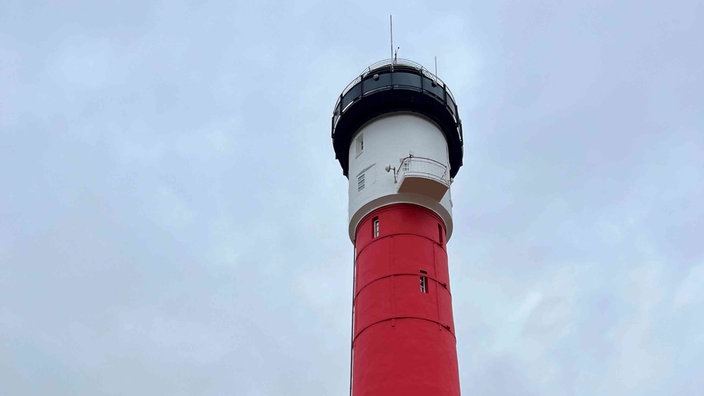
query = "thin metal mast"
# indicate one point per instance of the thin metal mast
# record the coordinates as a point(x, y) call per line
point(391, 34)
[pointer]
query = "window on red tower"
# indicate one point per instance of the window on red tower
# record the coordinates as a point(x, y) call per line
point(423, 281)
point(375, 227)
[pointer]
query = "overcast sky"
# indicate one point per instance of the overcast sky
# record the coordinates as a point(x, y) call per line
point(173, 220)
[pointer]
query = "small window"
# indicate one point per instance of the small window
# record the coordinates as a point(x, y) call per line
point(360, 144)
point(423, 284)
point(360, 182)
point(423, 281)
point(375, 227)
point(440, 233)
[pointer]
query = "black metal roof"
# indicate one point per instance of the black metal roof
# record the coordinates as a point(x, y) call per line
point(392, 86)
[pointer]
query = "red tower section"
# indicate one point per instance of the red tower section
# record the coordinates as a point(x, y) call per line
point(404, 340)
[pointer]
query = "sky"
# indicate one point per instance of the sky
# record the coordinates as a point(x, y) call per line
point(173, 219)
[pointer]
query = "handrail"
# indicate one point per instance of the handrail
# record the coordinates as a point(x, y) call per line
point(424, 166)
point(396, 62)
point(447, 97)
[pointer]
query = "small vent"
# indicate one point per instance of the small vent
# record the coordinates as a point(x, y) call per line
point(360, 182)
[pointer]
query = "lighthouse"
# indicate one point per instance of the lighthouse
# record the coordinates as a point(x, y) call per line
point(397, 134)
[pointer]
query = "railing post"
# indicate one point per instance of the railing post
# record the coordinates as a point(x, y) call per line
point(422, 80)
point(361, 86)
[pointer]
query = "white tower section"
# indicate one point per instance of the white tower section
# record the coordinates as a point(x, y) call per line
point(400, 157)
point(397, 134)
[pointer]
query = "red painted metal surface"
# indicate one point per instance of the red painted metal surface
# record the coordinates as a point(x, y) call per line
point(404, 336)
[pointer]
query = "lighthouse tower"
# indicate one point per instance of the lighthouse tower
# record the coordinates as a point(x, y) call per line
point(398, 137)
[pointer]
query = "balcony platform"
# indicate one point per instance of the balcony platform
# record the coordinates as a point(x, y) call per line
point(423, 176)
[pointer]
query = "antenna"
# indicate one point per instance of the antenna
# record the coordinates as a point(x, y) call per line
point(394, 54)
point(391, 33)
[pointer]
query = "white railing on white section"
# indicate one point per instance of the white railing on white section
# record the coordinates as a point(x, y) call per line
point(424, 167)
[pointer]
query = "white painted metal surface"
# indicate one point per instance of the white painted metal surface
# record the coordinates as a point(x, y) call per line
point(383, 144)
